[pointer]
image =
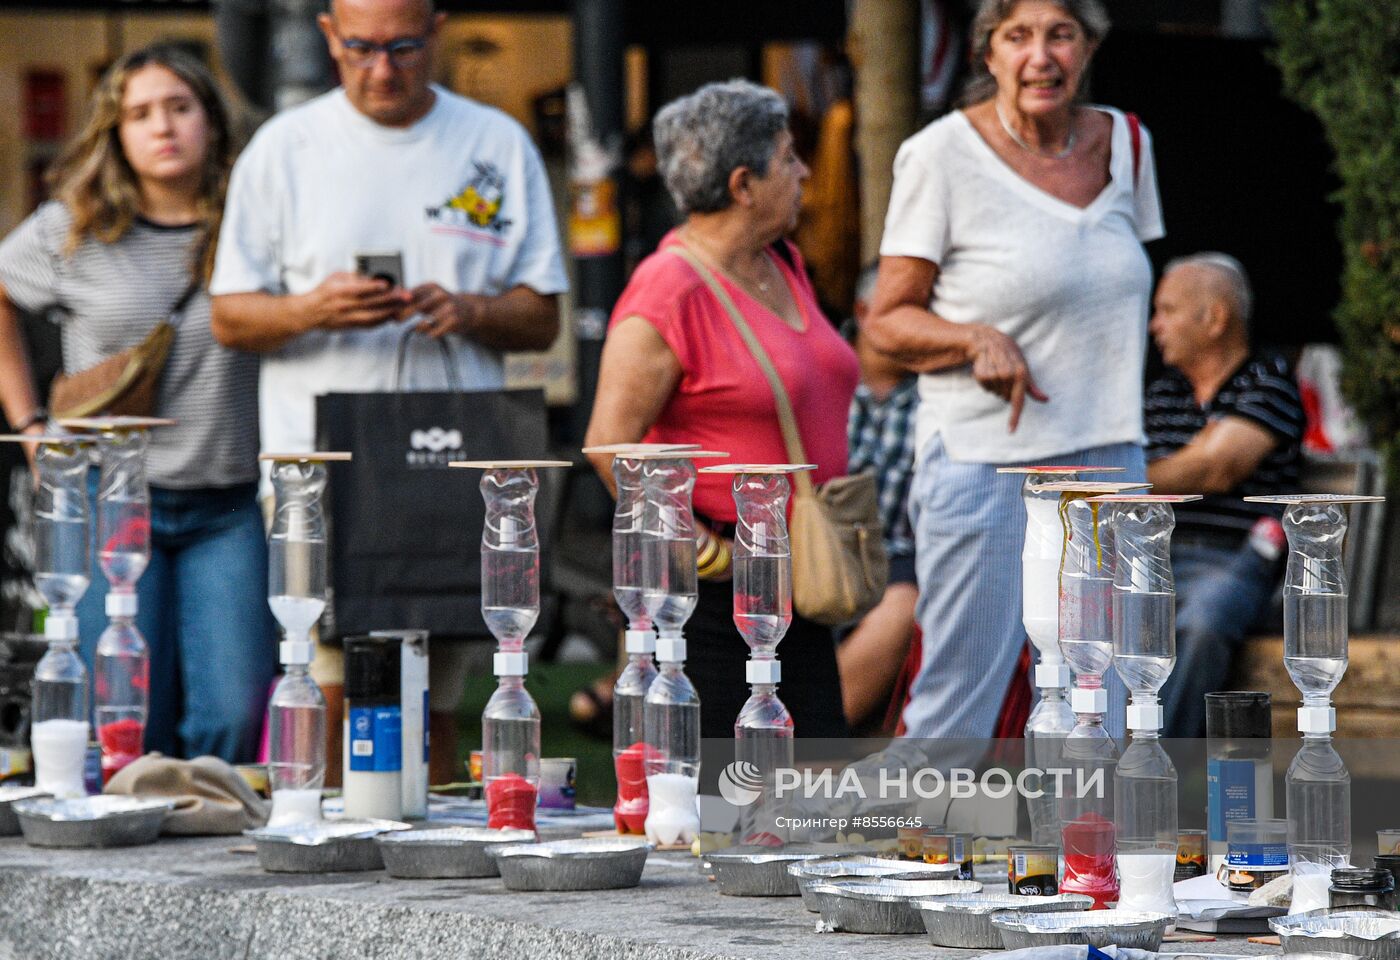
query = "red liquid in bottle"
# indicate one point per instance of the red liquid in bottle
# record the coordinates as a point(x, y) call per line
point(1090, 866)
point(510, 803)
point(121, 744)
point(630, 811)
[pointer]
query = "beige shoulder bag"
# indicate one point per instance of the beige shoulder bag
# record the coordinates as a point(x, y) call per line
point(839, 567)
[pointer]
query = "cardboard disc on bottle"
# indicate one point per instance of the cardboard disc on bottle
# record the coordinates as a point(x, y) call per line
point(51, 439)
point(1147, 498)
point(1294, 499)
point(759, 468)
point(623, 449)
point(1092, 486)
point(310, 456)
point(114, 424)
point(508, 464)
point(679, 455)
point(1056, 470)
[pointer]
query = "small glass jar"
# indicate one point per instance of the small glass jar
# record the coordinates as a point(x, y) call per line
point(1361, 887)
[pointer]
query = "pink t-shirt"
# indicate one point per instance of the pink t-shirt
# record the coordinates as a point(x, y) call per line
point(723, 401)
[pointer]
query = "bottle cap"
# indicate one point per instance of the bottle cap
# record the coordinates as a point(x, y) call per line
point(1144, 716)
point(1089, 701)
point(763, 671)
point(1317, 719)
point(514, 663)
point(1051, 675)
point(372, 670)
point(121, 604)
point(670, 649)
point(641, 641)
point(296, 652)
point(61, 627)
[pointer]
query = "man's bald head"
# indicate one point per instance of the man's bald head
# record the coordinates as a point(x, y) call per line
point(1218, 277)
point(378, 8)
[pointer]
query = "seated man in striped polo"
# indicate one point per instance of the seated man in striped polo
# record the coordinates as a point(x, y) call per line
point(1224, 419)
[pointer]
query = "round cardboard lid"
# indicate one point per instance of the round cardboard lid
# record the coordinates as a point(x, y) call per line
point(1293, 499)
point(51, 439)
point(679, 455)
point(508, 464)
point(622, 449)
point(1091, 486)
point(310, 456)
point(1147, 498)
point(1057, 470)
point(109, 424)
point(738, 468)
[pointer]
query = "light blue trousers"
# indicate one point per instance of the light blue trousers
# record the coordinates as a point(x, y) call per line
point(969, 528)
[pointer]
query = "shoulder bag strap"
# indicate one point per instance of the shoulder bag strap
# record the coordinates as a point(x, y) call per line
point(792, 439)
point(177, 312)
point(1135, 134)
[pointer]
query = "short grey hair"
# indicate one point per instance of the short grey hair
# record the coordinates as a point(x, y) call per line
point(1234, 281)
point(981, 85)
point(705, 136)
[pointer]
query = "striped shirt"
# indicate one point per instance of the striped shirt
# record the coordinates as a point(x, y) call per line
point(880, 434)
point(1261, 391)
point(108, 297)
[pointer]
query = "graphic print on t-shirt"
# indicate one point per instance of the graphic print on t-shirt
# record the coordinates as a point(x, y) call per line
point(474, 208)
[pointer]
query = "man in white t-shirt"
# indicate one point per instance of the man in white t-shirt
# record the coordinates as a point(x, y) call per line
point(386, 163)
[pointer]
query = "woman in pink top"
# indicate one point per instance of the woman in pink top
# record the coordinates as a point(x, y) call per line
point(675, 370)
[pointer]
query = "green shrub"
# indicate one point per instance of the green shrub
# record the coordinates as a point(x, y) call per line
point(1340, 60)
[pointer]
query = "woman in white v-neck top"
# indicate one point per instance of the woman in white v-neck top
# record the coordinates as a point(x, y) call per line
point(1014, 281)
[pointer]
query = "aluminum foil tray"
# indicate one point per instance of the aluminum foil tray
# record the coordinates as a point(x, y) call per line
point(1355, 932)
point(966, 921)
point(601, 863)
point(756, 871)
point(106, 820)
point(325, 846)
point(446, 853)
point(1097, 928)
point(882, 906)
point(809, 873)
point(9, 822)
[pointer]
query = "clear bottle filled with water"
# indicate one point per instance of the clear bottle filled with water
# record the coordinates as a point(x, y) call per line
point(627, 541)
point(762, 561)
point(1086, 590)
point(62, 554)
point(1315, 600)
point(123, 508)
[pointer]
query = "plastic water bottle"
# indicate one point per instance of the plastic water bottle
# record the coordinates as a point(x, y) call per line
point(1145, 810)
point(510, 749)
point(629, 732)
point(60, 731)
point(672, 761)
point(122, 683)
point(1049, 724)
point(296, 767)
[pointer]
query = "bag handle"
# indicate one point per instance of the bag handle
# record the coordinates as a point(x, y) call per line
point(792, 438)
point(177, 312)
point(449, 361)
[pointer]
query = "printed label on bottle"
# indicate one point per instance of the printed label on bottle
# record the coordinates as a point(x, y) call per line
point(376, 739)
point(1257, 855)
point(1229, 794)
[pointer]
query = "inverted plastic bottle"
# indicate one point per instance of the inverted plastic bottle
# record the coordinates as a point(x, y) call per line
point(60, 729)
point(121, 664)
point(630, 690)
point(1086, 610)
point(671, 720)
point(297, 591)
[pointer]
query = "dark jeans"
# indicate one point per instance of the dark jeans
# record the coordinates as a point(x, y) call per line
point(716, 654)
point(1222, 590)
point(204, 614)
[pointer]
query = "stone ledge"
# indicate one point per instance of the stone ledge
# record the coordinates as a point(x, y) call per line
point(192, 898)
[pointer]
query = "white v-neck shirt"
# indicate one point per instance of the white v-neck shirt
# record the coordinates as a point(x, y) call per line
point(1072, 287)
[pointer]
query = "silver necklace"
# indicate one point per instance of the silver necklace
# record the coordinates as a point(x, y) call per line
point(1016, 137)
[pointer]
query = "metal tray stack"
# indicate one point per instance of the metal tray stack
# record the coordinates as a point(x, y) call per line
point(809, 873)
point(1357, 932)
point(966, 921)
point(1097, 928)
point(448, 853)
point(601, 863)
point(325, 846)
point(9, 822)
point(759, 871)
point(106, 820)
point(883, 906)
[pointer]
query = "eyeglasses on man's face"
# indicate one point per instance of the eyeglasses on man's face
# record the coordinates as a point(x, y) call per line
point(403, 52)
